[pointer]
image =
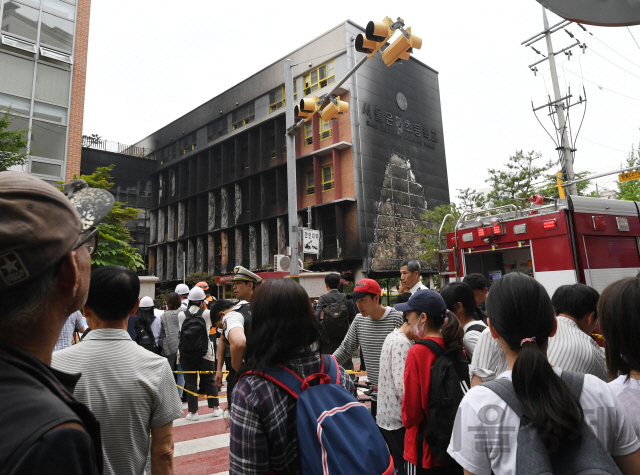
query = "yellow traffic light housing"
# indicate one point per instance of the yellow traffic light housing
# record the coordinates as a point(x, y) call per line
point(376, 35)
point(561, 192)
point(334, 108)
point(401, 48)
point(308, 106)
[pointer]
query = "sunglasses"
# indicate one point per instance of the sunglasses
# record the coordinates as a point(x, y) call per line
point(90, 240)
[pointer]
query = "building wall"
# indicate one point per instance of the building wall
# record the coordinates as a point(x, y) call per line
point(43, 55)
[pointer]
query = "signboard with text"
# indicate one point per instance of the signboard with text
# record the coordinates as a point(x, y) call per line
point(311, 241)
point(629, 176)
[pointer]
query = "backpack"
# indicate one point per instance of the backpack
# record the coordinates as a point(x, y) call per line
point(583, 455)
point(336, 319)
point(328, 420)
point(449, 383)
point(477, 327)
point(194, 339)
point(145, 338)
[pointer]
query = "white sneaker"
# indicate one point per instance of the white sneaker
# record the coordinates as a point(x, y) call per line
point(192, 416)
point(217, 412)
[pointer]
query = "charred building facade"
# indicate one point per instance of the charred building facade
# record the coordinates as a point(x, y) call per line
point(219, 192)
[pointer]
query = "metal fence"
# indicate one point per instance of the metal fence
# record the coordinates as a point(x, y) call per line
point(116, 147)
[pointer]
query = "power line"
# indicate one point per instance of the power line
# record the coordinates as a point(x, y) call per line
point(616, 65)
point(602, 87)
point(622, 56)
point(634, 38)
point(606, 146)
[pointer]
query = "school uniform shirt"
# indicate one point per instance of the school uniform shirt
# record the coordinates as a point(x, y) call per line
point(369, 335)
point(415, 403)
point(570, 349)
point(129, 389)
point(391, 380)
point(471, 337)
point(627, 391)
point(481, 447)
point(418, 286)
point(211, 356)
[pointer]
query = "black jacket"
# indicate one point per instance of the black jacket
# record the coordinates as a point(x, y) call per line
point(35, 399)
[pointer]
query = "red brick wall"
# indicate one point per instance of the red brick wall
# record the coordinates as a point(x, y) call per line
point(76, 114)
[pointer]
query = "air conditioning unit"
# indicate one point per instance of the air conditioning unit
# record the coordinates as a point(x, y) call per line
point(282, 263)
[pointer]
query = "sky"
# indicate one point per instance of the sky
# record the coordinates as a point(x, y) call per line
point(151, 62)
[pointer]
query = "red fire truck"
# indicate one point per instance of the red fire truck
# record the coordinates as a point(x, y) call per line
point(594, 241)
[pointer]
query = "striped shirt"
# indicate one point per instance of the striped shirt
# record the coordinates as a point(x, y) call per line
point(369, 335)
point(129, 389)
point(570, 349)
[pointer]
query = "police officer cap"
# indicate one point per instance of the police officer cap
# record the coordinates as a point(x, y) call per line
point(240, 274)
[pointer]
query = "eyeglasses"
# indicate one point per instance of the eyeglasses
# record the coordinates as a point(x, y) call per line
point(90, 240)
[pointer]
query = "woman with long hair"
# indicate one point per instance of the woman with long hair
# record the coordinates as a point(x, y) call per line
point(522, 319)
point(263, 415)
point(460, 300)
point(428, 317)
point(619, 313)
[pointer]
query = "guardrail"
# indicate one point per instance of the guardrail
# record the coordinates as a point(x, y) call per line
point(116, 147)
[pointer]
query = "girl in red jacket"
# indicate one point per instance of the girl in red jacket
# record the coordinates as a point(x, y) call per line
point(427, 313)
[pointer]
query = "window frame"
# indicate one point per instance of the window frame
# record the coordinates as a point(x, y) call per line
point(319, 83)
point(311, 187)
point(273, 104)
point(325, 130)
point(243, 115)
point(308, 133)
point(328, 185)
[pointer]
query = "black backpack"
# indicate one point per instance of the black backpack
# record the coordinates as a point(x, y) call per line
point(145, 338)
point(578, 455)
point(449, 383)
point(194, 339)
point(336, 319)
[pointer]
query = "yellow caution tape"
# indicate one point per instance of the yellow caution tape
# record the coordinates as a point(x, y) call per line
point(198, 395)
point(595, 335)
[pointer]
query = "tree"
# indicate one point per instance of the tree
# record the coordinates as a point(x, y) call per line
point(519, 181)
point(471, 199)
point(114, 247)
point(630, 190)
point(550, 188)
point(12, 144)
point(429, 232)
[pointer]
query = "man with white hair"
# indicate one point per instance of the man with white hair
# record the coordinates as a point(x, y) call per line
point(196, 353)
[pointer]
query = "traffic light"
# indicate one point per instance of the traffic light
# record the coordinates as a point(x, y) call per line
point(334, 108)
point(561, 192)
point(377, 34)
point(401, 48)
point(308, 106)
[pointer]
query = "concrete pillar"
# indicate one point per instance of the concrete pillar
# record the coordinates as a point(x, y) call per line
point(282, 235)
point(181, 218)
point(161, 225)
point(153, 228)
point(171, 223)
point(160, 263)
point(237, 203)
point(199, 254)
point(171, 262)
point(180, 260)
point(264, 242)
point(238, 242)
point(253, 248)
point(211, 252)
point(190, 257)
point(224, 241)
point(224, 208)
point(212, 211)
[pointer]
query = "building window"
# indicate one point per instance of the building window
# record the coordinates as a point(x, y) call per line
point(327, 178)
point(276, 99)
point(325, 129)
point(320, 77)
point(295, 91)
point(171, 151)
point(216, 129)
point(243, 115)
point(308, 133)
point(188, 143)
point(272, 147)
point(311, 186)
point(20, 20)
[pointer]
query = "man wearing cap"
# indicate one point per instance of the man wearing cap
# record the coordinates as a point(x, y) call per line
point(205, 363)
point(183, 291)
point(130, 390)
point(369, 330)
point(46, 240)
point(209, 298)
point(236, 326)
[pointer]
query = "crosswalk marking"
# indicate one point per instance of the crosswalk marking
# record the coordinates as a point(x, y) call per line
point(189, 447)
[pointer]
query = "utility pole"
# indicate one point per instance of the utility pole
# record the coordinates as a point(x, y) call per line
point(292, 192)
point(564, 144)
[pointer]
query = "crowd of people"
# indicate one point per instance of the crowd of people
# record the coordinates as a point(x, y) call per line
point(467, 379)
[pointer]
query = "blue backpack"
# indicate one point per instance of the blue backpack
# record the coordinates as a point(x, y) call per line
point(329, 419)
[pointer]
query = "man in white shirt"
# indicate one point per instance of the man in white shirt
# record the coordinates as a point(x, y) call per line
point(572, 347)
point(183, 291)
point(198, 363)
point(410, 276)
point(130, 390)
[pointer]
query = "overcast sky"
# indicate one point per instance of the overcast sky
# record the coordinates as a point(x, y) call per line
point(152, 61)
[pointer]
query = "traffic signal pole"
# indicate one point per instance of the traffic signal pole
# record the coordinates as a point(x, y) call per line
point(292, 191)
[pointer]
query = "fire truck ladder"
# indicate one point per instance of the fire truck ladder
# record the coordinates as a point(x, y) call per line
point(444, 250)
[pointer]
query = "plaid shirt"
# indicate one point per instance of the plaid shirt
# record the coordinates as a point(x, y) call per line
point(74, 322)
point(263, 422)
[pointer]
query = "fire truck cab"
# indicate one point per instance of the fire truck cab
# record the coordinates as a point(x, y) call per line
point(594, 241)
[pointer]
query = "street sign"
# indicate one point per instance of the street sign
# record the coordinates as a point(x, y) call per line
point(310, 241)
point(629, 176)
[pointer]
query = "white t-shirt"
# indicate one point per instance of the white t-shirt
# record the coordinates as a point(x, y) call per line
point(417, 286)
point(471, 337)
point(481, 447)
point(233, 319)
point(207, 319)
point(628, 393)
